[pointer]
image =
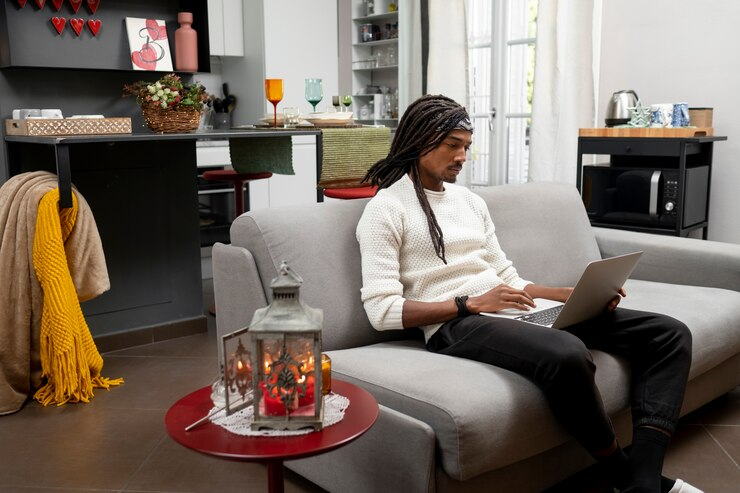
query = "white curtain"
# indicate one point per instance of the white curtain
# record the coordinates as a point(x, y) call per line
point(565, 81)
point(447, 59)
point(447, 70)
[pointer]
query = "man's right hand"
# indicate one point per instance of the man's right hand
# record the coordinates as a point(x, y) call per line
point(499, 298)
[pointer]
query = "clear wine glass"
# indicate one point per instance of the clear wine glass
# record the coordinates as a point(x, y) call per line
point(274, 94)
point(314, 92)
point(347, 102)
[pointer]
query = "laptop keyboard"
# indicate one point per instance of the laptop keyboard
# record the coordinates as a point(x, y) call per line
point(543, 317)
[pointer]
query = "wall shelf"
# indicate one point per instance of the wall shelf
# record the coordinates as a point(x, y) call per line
point(30, 40)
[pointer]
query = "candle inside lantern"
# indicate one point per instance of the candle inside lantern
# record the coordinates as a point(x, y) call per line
point(273, 401)
point(325, 374)
point(307, 398)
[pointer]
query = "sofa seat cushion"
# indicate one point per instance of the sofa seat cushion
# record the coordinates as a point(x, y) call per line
point(712, 314)
point(486, 418)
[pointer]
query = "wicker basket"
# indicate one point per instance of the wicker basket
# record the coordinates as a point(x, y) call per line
point(185, 119)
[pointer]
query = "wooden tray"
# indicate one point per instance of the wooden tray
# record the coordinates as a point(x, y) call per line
point(68, 126)
point(646, 132)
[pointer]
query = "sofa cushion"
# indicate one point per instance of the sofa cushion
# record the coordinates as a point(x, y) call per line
point(548, 245)
point(712, 314)
point(319, 243)
point(486, 418)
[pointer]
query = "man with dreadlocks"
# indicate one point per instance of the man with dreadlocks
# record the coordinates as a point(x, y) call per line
point(442, 285)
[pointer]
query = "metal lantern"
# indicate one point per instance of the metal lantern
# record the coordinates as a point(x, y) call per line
point(286, 353)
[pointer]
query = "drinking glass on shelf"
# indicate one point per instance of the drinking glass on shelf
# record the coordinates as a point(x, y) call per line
point(274, 94)
point(314, 92)
point(347, 101)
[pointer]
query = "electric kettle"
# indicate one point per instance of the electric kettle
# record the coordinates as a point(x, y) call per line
point(617, 109)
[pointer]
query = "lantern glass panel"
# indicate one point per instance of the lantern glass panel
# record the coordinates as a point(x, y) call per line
point(287, 382)
point(237, 377)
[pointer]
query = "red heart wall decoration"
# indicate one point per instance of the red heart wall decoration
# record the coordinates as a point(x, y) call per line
point(77, 25)
point(94, 26)
point(75, 5)
point(145, 58)
point(93, 5)
point(40, 3)
point(59, 23)
point(57, 4)
point(22, 3)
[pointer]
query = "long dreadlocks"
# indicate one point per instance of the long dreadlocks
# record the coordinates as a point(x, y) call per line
point(425, 123)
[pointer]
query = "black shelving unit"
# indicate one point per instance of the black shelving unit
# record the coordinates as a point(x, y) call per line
point(684, 155)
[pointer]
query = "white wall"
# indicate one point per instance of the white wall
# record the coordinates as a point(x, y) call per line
point(301, 43)
point(291, 40)
point(682, 50)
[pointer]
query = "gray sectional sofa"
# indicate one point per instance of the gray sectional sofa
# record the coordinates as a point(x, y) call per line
point(448, 424)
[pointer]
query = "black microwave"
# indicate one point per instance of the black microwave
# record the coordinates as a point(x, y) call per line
point(643, 196)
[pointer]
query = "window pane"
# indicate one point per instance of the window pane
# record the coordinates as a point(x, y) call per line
point(480, 81)
point(521, 78)
point(518, 158)
point(478, 157)
point(522, 19)
point(479, 21)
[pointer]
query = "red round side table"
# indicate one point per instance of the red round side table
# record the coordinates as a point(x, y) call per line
point(214, 440)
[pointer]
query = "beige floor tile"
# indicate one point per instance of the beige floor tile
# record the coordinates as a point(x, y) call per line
point(694, 456)
point(76, 446)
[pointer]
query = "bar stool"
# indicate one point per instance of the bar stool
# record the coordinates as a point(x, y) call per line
point(238, 180)
point(363, 192)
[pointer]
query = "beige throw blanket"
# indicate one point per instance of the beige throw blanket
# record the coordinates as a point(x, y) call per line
point(21, 306)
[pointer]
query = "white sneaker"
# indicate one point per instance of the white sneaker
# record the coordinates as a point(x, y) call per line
point(682, 486)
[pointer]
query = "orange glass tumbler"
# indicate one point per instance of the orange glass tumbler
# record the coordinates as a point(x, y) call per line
point(325, 374)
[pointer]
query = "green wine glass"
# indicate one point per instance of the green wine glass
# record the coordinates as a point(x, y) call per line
point(347, 102)
point(314, 92)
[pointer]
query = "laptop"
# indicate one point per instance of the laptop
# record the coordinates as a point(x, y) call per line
point(598, 285)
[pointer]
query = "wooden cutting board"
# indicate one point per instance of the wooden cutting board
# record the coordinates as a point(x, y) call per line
point(646, 132)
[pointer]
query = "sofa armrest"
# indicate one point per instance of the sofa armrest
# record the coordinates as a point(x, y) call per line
point(236, 287)
point(396, 454)
point(675, 260)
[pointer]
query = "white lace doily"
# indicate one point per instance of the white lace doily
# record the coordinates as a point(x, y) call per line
point(240, 423)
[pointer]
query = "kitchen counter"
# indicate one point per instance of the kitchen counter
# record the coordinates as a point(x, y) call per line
point(142, 190)
point(61, 145)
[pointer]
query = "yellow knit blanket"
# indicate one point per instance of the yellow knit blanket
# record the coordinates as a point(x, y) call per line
point(70, 361)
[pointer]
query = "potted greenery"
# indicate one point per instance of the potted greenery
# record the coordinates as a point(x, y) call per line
point(168, 105)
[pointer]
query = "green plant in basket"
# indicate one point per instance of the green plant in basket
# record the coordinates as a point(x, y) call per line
point(167, 93)
point(168, 105)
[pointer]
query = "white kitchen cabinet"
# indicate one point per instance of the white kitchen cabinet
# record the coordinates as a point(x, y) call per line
point(282, 190)
point(225, 27)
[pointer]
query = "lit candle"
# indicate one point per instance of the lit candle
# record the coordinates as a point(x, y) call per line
point(307, 398)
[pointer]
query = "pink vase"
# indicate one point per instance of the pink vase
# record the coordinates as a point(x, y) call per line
point(186, 44)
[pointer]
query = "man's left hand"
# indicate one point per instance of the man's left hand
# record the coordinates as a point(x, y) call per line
point(615, 301)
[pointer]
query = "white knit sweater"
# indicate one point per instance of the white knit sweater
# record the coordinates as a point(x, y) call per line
point(398, 258)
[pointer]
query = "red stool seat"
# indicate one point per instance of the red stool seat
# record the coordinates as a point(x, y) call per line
point(238, 180)
point(365, 192)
